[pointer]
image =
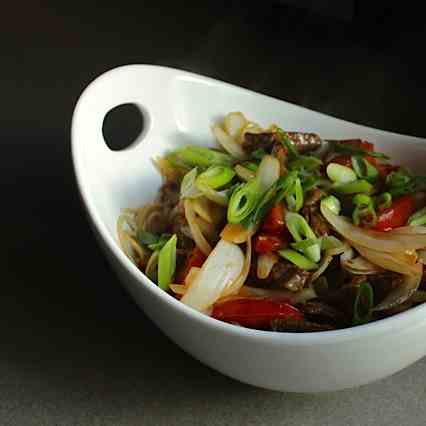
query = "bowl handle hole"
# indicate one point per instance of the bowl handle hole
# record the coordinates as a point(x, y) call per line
point(122, 126)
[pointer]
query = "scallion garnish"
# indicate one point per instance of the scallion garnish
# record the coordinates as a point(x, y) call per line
point(167, 263)
point(418, 218)
point(298, 259)
point(216, 177)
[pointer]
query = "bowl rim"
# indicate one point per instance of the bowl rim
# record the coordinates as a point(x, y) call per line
point(393, 323)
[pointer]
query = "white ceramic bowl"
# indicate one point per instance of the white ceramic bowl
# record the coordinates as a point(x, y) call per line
point(179, 107)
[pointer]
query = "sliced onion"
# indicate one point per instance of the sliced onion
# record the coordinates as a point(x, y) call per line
point(403, 292)
point(207, 229)
point(222, 267)
point(198, 236)
point(375, 240)
point(326, 260)
point(250, 127)
point(265, 263)
point(191, 275)
point(244, 173)
point(178, 288)
point(301, 296)
point(422, 256)
point(360, 266)
point(236, 233)
point(234, 123)
point(389, 261)
point(202, 207)
point(268, 172)
point(228, 144)
point(408, 230)
point(236, 285)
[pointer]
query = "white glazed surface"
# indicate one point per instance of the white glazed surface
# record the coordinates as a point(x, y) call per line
point(179, 107)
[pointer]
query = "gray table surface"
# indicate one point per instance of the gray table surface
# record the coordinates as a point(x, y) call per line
point(74, 349)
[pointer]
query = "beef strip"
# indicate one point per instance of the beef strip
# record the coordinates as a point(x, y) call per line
point(299, 326)
point(283, 275)
point(320, 312)
point(254, 141)
point(169, 194)
point(303, 142)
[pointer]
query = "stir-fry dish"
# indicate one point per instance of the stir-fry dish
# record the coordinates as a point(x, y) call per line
point(281, 230)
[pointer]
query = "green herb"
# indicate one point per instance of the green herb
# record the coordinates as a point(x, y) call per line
point(401, 182)
point(285, 185)
point(418, 218)
point(298, 259)
point(167, 263)
point(258, 154)
point(158, 245)
point(363, 304)
point(288, 143)
point(305, 163)
point(348, 149)
point(145, 238)
point(251, 165)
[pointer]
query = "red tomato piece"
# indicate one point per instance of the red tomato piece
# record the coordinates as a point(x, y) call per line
point(195, 259)
point(274, 221)
point(265, 243)
point(360, 144)
point(397, 214)
point(255, 312)
point(344, 160)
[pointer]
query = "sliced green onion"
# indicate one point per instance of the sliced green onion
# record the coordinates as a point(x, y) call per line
point(340, 174)
point(298, 259)
point(250, 165)
point(188, 188)
point(364, 302)
point(348, 149)
point(218, 197)
point(285, 184)
point(305, 244)
point(294, 197)
point(364, 169)
point(330, 242)
point(202, 157)
point(383, 201)
point(355, 187)
point(300, 230)
point(306, 162)
point(332, 203)
point(243, 201)
point(288, 143)
point(418, 218)
point(264, 205)
point(364, 212)
point(167, 263)
point(216, 177)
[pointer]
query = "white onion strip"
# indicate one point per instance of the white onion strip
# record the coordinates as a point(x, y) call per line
point(375, 240)
point(198, 236)
point(265, 263)
point(228, 144)
point(222, 267)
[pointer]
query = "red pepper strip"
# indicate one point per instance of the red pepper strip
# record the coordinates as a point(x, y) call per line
point(195, 259)
point(345, 160)
point(265, 243)
point(255, 312)
point(385, 169)
point(274, 221)
point(397, 214)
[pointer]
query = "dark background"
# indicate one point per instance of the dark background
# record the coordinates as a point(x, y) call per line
point(74, 348)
